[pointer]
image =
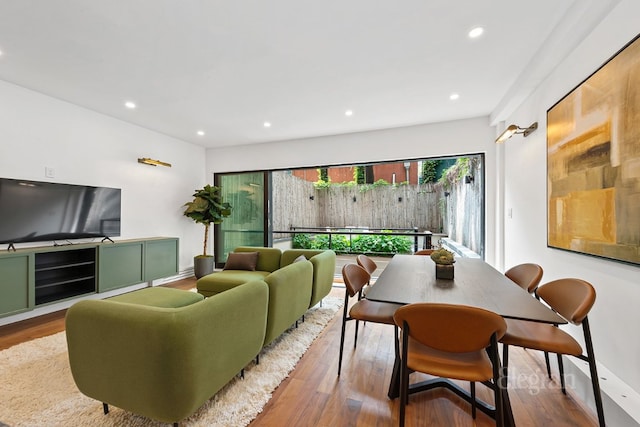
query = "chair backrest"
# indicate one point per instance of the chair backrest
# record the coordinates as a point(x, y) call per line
point(424, 252)
point(570, 298)
point(366, 263)
point(527, 276)
point(355, 278)
point(451, 327)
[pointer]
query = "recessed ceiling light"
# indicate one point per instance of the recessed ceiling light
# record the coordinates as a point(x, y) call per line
point(201, 132)
point(476, 32)
point(130, 104)
point(348, 113)
point(267, 124)
point(454, 96)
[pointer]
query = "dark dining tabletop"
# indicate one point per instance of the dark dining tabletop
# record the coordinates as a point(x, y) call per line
point(411, 278)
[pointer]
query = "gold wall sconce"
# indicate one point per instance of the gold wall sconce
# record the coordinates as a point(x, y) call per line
point(148, 161)
point(514, 130)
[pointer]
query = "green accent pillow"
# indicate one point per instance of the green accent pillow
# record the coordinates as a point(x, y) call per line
point(242, 261)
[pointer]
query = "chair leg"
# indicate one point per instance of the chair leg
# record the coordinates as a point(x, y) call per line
point(505, 360)
point(105, 408)
point(593, 371)
point(472, 387)
point(561, 372)
point(355, 339)
point(499, 381)
point(546, 360)
point(404, 374)
point(344, 322)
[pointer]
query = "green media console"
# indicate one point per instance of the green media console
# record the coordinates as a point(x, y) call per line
point(33, 277)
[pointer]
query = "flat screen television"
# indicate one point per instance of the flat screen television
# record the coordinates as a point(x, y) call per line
point(32, 211)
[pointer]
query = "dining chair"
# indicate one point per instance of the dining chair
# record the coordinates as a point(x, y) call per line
point(527, 276)
point(368, 264)
point(424, 252)
point(355, 278)
point(571, 299)
point(451, 341)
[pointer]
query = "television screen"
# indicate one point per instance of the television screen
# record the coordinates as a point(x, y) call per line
point(32, 211)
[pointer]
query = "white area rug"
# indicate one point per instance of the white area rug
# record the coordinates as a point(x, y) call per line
point(36, 387)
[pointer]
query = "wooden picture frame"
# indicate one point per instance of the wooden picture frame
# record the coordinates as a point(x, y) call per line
point(593, 162)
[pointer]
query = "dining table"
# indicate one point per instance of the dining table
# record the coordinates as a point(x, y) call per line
point(411, 279)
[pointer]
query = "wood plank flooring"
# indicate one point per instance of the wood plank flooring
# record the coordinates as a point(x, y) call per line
point(313, 395)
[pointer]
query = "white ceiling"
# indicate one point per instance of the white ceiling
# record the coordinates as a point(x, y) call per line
point(226, 67)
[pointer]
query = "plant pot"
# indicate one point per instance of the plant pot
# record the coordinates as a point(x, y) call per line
point(202, 265)
point(444, 271)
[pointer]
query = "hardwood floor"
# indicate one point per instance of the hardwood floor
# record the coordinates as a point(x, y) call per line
point(313, 395)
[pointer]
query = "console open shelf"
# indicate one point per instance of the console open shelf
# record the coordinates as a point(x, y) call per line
point(64, 274)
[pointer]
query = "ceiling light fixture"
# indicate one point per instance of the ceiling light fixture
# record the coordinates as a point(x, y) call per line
point(201, 132)
point(152, 162)
point(348, 113)
point(514, 130)
point(267, 124)
point(454, 96)
point(476, 32)
point(130, 105)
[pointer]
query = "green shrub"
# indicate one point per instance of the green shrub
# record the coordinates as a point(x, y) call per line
point(301, 241)
point(384, 244)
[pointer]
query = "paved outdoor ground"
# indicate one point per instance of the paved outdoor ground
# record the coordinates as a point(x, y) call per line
point(342, 259)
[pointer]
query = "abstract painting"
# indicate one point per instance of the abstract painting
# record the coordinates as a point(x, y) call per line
point(593, 162)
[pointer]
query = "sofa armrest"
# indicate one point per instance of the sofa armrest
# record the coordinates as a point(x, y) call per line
point(324, 267)
point(289, 295)
point(164, 363)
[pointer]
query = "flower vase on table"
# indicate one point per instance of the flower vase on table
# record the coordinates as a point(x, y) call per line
point(444, 263)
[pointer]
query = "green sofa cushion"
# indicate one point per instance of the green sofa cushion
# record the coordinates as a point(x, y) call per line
point(268, 258)
point(159, 297)
point(215, 283)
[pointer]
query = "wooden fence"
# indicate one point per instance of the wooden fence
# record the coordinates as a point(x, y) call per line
point(298, 203)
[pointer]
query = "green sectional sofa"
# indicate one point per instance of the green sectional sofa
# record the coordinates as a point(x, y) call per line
point(270, 260)
point(162, 352)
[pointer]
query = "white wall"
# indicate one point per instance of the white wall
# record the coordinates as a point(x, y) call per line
point(84, 147)
point(616, 313)
point(432, 140)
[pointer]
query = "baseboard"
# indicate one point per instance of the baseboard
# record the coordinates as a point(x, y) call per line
point(621, 403)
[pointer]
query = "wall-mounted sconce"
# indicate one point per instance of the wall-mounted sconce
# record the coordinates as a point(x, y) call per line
point(400, 199)
point(468, 179)
point(514, 130)
point(354, 199)
point(148, 161)
point(312, 197)
point(447, 194)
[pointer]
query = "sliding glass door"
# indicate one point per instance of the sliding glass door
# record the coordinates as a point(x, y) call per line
point(249, 223)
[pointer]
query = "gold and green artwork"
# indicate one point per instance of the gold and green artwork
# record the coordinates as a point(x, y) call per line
point(593, 162)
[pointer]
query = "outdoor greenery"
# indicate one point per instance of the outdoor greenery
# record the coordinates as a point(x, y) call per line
point(429, 171)
point(359, 174)
point(456, 172)
point(384, 244)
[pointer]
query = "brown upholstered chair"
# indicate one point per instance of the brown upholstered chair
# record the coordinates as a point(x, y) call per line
point(527, 276)
point(424, 252)
point(451, 341)
point(571, 299)
point(368, 264)
point(355, 278)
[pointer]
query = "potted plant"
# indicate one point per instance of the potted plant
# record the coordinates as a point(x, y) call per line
point(444, 260)
point(206, 208)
